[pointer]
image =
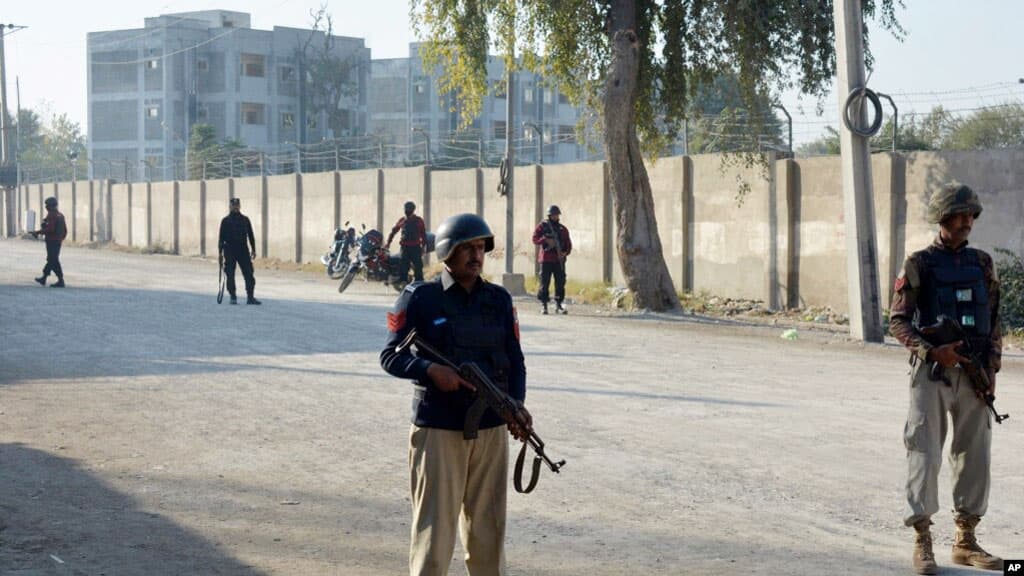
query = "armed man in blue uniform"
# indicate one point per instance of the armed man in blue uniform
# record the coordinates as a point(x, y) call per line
point(457, 482)
point(948, 279)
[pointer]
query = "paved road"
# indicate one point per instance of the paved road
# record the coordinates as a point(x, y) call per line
point(146, 430)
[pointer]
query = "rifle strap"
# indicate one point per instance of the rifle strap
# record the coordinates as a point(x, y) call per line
point(517, 477)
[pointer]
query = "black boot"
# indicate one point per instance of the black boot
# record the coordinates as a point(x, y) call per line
point(41, 280)
point(559, 309)
point(59, 283)
point(544, 308)
point(234, 299)
point(252, 300)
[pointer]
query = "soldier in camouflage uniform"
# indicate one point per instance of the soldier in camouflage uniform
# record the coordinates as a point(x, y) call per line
point(948, 278)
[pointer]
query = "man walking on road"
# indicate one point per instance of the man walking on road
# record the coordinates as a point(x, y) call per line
point(236, 238)
point(412, 241)
point(554, 244)
point(948, 278)
point(458, 482)
point(56, 230)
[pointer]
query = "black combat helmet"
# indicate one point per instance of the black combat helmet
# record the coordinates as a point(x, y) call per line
point(50, 202)
point(410, 207)
point(460, 229)
point(554, 209)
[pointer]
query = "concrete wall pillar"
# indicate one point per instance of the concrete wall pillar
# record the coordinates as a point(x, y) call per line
point(607, 217)
point(298, 217)
point(265, 212)
point(176, 226)
point(480, 192)
point(380, 200)
point(203, 249)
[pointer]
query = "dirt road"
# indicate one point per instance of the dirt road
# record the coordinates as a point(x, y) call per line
point(146, 430)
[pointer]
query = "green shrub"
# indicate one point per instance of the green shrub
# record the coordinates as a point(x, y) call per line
point(1010, 269)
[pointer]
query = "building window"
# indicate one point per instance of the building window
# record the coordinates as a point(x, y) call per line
point(287, 74)
point(420, 88)
point(549, 96)
point(152, 64)
point(562, 98)
point(528, 96)
point(311, 122)
point(252, 113)
point(498, 127)
point(287, 119)
point(152, 111)
point(202, 64)
point(252, 65)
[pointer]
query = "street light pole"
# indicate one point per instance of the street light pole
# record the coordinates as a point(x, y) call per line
point(540, 141)
point(789, 122)
point(426, 137)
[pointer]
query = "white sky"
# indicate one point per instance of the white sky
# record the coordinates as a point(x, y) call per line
point(959, 53)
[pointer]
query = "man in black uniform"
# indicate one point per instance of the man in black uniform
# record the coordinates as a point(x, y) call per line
point(412, 241)
point(452, 478)
point(235, 234)
point(56, 230)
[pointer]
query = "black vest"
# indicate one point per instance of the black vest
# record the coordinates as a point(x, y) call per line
point(953, 284)
point(477, 334)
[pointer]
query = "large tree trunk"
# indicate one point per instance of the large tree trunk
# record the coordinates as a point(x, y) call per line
point(637, 241)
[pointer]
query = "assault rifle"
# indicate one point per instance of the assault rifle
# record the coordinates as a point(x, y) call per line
point(947, 330)
point(488, 395)
point(552, 234)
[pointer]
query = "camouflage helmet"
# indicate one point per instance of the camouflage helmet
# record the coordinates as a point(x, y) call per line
point(953, 198)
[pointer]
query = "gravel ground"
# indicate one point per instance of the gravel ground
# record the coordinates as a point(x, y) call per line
point(146, 430)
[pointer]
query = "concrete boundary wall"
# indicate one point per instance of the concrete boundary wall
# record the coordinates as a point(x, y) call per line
point(782, 242)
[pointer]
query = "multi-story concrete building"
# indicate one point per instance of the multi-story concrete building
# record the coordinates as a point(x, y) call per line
point(149, 86)
point(405, 104)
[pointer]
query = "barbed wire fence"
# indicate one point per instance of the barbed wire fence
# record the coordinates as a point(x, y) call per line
point(469, 149)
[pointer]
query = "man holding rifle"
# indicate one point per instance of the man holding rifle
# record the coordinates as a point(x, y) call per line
point(948, 279)
point(458, 482)
point(554, 244)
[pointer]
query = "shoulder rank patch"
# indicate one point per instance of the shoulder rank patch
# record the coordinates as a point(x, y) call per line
point(900, 283)
point(396, 321)
point(515, 323)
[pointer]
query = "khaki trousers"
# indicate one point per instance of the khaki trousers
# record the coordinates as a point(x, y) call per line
point(925, 433)
point(458, 482)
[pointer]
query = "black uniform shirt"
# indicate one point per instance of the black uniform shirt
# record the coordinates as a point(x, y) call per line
point(430, 307)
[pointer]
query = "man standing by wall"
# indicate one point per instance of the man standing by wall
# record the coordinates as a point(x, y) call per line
point(56, 230)
point(412, 241)
point(554, 245)
point(236, 238)
point(948, 278)
point(455, 481)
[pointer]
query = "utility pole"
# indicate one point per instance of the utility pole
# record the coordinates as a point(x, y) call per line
point(514, 283)
point(858, 204)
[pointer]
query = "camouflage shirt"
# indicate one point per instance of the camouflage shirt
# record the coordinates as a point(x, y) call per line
point(907, 290)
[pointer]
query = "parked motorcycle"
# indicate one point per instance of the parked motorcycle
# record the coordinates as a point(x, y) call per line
point(373, 262)
point(338, 259)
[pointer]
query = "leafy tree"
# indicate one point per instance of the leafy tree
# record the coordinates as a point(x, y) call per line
point(639, 62)
point(208, 157)
point(51, 149)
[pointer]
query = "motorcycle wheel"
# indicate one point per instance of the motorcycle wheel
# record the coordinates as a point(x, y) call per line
point(347, 279)
point(337, 271)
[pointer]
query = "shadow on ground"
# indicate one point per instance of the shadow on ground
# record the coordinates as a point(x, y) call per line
point(96, 332)
point(99, 530)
